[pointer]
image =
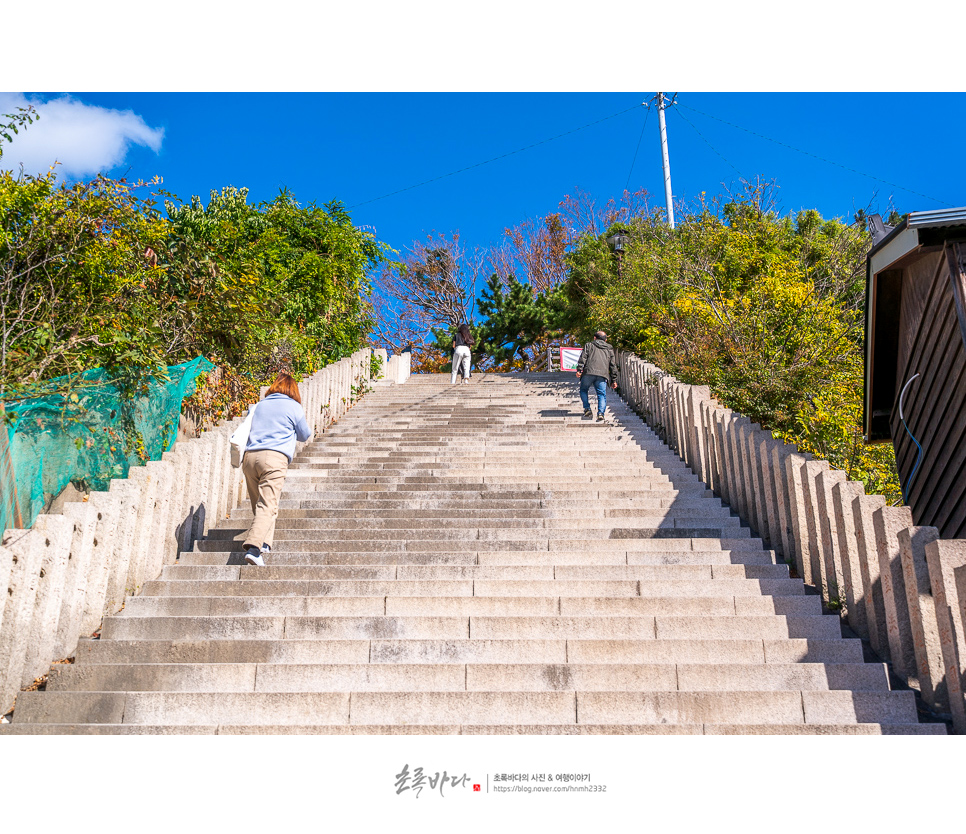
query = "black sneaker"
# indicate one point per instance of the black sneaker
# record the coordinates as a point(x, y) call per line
point(587, 413)
point(600, 418)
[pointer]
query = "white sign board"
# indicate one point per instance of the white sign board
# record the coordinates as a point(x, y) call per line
point(569, 357)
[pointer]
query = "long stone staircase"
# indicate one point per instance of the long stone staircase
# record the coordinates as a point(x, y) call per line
point(478, 559)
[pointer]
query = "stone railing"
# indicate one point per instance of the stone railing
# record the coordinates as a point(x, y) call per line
point(897, 585)
point(67, 572)
point(395, 369)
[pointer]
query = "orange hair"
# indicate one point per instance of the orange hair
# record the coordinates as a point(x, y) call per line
point(284, 384)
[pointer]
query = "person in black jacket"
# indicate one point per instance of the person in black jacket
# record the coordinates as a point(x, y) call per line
point(461, 353)
point(597, 363)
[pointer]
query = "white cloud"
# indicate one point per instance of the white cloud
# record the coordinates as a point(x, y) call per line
point(83, 138)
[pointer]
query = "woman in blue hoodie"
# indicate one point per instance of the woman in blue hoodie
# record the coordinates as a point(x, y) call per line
point(277, 423)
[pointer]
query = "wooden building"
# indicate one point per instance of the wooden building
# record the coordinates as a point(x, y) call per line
point(915, 361)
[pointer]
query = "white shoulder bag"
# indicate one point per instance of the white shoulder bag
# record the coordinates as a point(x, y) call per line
point(239, 438)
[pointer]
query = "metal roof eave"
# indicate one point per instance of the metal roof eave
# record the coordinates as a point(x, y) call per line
point(939, 217)
point(923, 220)
point(898, 244)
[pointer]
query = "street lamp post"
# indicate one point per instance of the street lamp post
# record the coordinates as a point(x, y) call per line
point(618, 243)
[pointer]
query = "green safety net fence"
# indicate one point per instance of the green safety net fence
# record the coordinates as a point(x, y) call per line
point(85, 431)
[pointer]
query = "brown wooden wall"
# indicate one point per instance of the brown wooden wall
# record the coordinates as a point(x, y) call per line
point(932, 345)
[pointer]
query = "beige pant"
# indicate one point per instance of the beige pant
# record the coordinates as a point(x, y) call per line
point(264, 475)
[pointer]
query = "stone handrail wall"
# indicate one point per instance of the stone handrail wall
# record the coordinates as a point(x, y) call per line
point(60, 578)
point(897, 585)
point(396, 369)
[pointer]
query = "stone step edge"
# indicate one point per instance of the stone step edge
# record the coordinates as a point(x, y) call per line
point(473, 729)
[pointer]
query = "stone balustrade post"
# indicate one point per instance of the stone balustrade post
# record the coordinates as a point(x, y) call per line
point(863, 508)
point(28, 550)
point(210, 499)
point(944, 560)
point(187, 468)
point(779, 453)
point(162, 471)
point(666, 415)
point(759, 520)
point(888, 521)
point(57, 534)
point(236, 477)
point(798, 509)
point(83, 518)
point(323, 400)
point(698, 395)
point(922, 614)
point(725, 469)
point(382, 354)
point(772, 480)
point(709, 427)
point(307, 395)
point(107, 506)
point(681, 421)
point(142, 523)
point(828, 536)
point(816, 567)
point(8, 560)
point(843, 493)
point(202, 459)
point(665, 429)
point(736, 459)
point(128, 494)
point(225, 504)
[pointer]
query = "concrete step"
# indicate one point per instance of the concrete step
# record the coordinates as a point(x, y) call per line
point(469, 729)
point(678, 539)
point(466, 650)
point(755, 563)
point(477, 707)
point(302, 540)
point(457, 677)
point(452, 598)
point(293, 528)
point(621, 509)
point(443, 477)
point(558, 508)
point(659, 580)
point(724, 605)
point(352, 623)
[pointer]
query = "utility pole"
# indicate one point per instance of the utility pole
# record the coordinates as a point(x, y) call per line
point(662, 103)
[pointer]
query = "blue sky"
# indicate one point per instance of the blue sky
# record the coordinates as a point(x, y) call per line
point(357, 147)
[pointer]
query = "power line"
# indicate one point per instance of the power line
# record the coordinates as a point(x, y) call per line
point(495, 158)
point(816, 156)
point(627, 184)
point(707, 142)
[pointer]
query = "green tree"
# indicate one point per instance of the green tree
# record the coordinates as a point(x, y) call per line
point(92, 275)
point(766, 310)
point(14, 122)
point(320, 264)
point(513, 321)
point(271, 285)
point(73, 277)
